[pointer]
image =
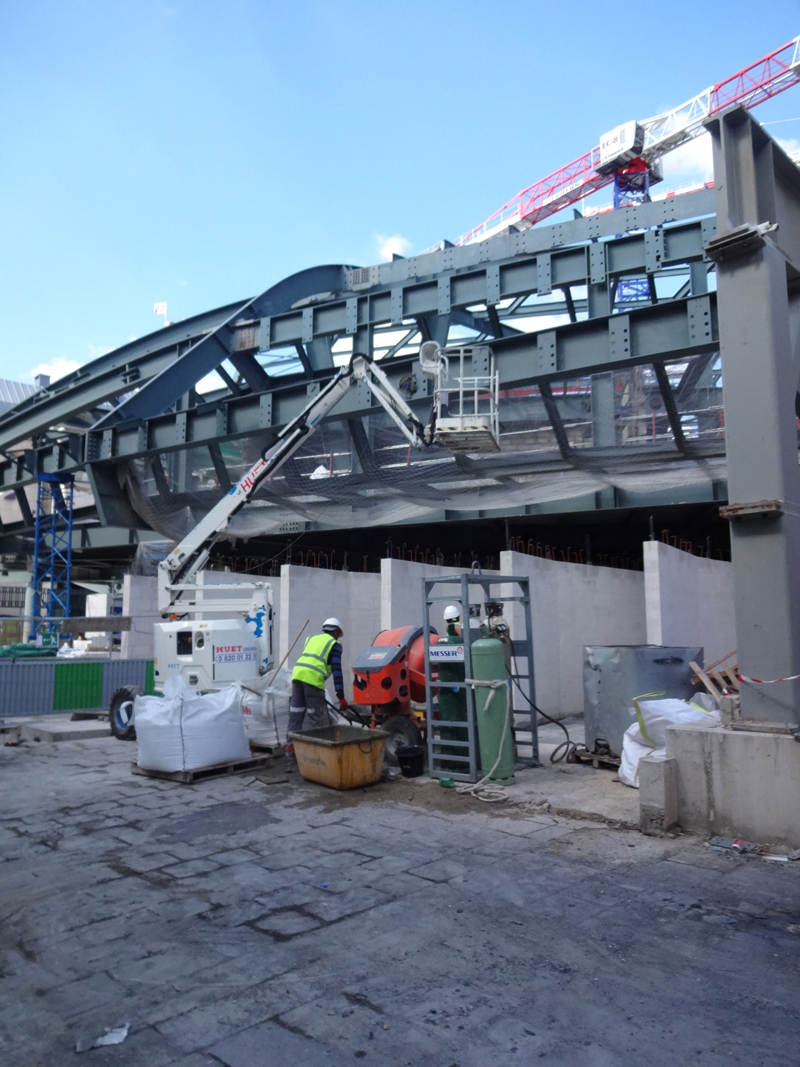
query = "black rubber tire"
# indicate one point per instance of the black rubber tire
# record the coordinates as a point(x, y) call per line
point(120, 717)
point(402, 731)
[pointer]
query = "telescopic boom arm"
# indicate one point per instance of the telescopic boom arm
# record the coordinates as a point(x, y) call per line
point(177, 572)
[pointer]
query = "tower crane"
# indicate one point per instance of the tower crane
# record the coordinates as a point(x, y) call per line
point(628, 154)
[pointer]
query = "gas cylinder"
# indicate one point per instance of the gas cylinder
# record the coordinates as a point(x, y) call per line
point(489, 664)
point(452, 705)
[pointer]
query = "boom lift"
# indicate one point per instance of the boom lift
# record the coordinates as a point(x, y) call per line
point(212, 653)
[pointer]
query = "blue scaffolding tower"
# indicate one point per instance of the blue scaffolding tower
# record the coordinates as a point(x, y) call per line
point(52, 552)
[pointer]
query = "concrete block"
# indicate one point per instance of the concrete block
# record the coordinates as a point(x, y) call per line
point(658, 795)
point(737, 783)
point(688, 600)
point(401, 593)
point(64, 731)
point(573, 605)
point(140, 603)
point(315, 594)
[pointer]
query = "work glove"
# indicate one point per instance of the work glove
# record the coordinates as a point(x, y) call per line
point(342, 704)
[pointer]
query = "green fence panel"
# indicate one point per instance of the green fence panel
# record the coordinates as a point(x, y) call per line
point(77, 686)
point(150, 678)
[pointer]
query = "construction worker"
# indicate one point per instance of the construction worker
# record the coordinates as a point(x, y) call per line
point(321, 658)
point(452, 618)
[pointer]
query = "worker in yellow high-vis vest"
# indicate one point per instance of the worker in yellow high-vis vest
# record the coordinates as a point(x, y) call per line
point(321, 657)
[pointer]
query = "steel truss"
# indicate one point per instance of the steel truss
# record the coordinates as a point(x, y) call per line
point(575, 273)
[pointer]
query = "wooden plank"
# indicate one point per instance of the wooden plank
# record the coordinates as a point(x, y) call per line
point(102, 624)
point(730, 673)
point(703, 677)
point(716, 663)
point(717, 677)
point(274, 750)
point(199, 774)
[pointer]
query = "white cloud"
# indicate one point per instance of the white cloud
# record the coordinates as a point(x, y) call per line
point(789, 144)
point(394, 245)
point(56, 368)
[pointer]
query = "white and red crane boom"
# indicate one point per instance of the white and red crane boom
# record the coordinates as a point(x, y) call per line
point(648, 140)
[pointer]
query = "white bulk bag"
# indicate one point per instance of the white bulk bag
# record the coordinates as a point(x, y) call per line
point(182, 732)
point(265, 707)
point(633, 748)
point(648, 735)
point(654, 716)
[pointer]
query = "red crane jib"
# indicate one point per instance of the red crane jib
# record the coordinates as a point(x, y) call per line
point(760, 81)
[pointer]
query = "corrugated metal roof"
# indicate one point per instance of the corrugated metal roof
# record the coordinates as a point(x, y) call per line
point(12, 393)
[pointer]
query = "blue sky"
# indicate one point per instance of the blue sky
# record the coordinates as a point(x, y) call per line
point(198, 152)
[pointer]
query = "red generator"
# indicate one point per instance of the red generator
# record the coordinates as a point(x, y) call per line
point(389, 677)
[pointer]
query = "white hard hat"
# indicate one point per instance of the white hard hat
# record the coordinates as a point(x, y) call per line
point(451, 613)
point(332, 624)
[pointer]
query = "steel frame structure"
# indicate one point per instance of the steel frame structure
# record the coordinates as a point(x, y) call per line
point(52, 552)
point(575, 270)
point(757, 251)
point(514, 593)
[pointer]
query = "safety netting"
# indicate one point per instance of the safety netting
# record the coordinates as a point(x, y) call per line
point(612, 431)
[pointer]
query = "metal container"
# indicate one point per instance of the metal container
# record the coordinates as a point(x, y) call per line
point(27, 688)
point(342, 757)
point(614, 674)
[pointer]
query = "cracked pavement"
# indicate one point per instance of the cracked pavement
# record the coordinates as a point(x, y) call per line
point(264, 921)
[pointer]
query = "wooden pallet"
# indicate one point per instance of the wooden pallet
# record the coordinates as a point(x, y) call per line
point(609, 762)
point(274, 750)
point(200, 774)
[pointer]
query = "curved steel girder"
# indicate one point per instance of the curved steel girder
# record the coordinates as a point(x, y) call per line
point(105, 378)
point(207, 353)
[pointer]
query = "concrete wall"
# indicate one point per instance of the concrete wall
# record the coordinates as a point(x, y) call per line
point(316, 594)
point(688, 600)
point(99, 604)
point(401, 593)
point(573, 605)
point(140, 602)
point(737, 783)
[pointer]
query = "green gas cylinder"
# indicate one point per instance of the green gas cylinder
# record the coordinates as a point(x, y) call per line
point(452, 705)
point(489, 664)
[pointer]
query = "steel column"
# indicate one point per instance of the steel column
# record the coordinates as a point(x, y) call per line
point(757, 185)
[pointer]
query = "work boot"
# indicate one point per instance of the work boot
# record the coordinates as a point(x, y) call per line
point(290, 756)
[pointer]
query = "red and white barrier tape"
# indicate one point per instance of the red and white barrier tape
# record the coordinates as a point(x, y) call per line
point(767, 681)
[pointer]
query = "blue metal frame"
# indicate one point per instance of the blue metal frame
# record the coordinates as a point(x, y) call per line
point(52, 551)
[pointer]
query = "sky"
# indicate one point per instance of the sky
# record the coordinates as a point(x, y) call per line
point(196, 152)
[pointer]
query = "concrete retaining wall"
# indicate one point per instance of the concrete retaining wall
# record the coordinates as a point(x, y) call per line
point(689, 601)
point(736, 783)
point(401, 593)
point(140, 602)
point(573, 605)
point(315, 594)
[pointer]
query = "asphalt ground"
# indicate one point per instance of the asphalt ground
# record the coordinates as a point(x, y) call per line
point(262, 922)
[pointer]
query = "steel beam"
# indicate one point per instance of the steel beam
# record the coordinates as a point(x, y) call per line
point(758, 255)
